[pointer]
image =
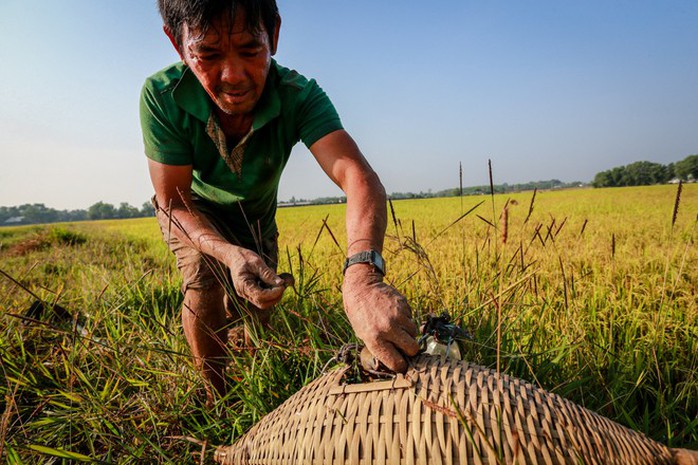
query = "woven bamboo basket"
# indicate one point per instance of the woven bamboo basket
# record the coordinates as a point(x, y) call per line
point(442, 411)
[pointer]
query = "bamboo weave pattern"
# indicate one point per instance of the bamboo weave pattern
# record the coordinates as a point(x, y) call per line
point(442, 411)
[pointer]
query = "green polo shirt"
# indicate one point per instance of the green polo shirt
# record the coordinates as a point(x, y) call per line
point(239, 185)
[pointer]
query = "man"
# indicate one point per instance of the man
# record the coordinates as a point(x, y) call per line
point(218, 129)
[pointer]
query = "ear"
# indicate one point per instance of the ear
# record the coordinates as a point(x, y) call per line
point(171, 36)
point(275, 36)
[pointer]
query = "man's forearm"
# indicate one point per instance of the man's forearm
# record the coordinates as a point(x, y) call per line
point(366, 214)
point(380, 316)
point(195, 230)
point(341, 159)
point(172, 185)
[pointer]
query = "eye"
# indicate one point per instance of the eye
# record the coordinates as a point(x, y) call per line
point(208, 56)
point(251, 52)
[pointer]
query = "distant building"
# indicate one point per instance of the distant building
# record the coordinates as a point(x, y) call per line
point(14, 219)
point(689, 179)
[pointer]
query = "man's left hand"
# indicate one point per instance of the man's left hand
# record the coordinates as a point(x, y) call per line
point(380, 316)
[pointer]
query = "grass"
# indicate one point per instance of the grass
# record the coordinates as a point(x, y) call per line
point(593, 295)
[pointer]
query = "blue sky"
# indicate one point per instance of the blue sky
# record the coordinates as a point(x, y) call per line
point(546, 89)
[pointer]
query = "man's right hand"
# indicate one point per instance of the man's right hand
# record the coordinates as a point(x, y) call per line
point(253, 279)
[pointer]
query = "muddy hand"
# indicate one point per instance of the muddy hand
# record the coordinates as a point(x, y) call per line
point(381, 318)
point(254, 280)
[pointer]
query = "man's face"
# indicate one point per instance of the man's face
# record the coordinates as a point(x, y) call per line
point(231, 63)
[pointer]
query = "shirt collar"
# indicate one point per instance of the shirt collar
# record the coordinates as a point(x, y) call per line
point(191, 97)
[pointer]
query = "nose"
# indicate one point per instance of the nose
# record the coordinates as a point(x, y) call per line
point(232, 72)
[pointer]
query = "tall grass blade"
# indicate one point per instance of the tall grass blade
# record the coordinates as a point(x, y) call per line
point(334, 239)
point(457, 220)
point(319, 233)
point(60, 453)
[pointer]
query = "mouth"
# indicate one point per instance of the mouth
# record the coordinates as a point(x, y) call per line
point(235, 95)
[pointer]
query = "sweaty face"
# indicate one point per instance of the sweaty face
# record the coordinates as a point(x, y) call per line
point(231, 63)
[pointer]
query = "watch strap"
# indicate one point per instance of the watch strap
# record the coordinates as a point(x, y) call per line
point(371, 257)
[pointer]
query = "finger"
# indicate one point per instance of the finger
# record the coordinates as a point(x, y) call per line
point(406, 342)
point(270, 296)
point(246, 288)
point(408, 325)
point(405, 317)
point(256, 291)
point(268, 276)
point(412, 329)
point(390, 356)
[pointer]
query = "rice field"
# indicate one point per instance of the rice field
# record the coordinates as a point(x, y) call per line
point(592, 294)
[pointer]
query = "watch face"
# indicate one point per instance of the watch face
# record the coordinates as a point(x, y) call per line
point(377, 261)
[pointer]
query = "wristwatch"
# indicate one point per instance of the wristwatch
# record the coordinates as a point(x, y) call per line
point(371, 257)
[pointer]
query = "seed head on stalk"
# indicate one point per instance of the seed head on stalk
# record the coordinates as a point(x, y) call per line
point(676, 204)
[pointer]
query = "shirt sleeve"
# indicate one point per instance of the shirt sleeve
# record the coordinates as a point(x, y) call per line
point(317, 116)
point(163, 140)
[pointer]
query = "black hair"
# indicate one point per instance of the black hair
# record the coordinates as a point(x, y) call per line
point(199, 14)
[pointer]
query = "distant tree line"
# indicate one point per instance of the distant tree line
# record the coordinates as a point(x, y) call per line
point(480, 190)
point(293, 201)
point(39, 213)
point(645, 173)
point(452, 192)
